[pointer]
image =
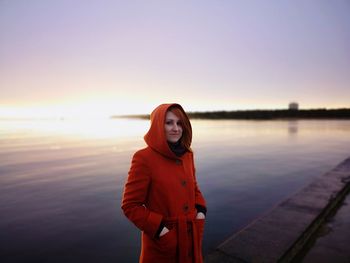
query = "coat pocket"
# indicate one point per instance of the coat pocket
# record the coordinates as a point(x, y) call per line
point(199, 223)
point(168, 242)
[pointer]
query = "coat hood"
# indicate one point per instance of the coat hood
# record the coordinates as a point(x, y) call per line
point(155, 137)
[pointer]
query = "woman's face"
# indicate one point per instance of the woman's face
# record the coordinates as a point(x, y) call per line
point(173, 127)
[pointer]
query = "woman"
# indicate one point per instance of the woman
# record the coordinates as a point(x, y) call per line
point(161, 196)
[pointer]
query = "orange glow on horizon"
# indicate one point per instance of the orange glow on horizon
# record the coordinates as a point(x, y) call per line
point(85, 110)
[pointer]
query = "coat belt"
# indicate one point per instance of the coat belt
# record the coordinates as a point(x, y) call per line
point(183, 223)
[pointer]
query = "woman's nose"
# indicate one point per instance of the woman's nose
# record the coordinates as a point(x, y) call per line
point(175, 127)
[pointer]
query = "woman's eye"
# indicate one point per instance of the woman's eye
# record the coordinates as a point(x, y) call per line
point(173, 122)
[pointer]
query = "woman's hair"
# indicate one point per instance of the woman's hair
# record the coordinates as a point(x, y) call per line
point(186, 138)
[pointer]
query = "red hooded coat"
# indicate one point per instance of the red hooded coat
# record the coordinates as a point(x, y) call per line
point(161, 189)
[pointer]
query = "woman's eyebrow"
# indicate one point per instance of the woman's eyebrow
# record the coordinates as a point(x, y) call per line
point(170, 119)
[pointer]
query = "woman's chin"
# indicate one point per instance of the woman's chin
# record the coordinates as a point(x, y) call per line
point(173, 140)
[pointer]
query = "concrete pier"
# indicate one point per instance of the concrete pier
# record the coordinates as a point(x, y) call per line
point(281, 234)
point(332, 242)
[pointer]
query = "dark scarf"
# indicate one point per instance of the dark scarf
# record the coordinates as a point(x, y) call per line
point(177, 148)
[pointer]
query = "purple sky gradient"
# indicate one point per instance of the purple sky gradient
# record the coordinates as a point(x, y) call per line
point(115, 57)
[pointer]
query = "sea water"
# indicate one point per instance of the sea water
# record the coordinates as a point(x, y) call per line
point(61, 180)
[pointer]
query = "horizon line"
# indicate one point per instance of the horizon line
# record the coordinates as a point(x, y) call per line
point(147, 114)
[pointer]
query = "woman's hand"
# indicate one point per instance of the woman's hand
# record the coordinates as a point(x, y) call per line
point(200, 215)
point(164, 231)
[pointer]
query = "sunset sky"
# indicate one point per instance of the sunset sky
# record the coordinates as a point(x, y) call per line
point(99, 58)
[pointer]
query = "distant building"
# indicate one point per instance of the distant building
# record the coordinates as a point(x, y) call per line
point(293, 106)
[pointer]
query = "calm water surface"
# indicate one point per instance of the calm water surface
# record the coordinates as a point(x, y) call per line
point(61, 181)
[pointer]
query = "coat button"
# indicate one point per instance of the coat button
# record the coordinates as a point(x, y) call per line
point(183, 182)
point(185, 207)
point(178, 162)
point(189, 230)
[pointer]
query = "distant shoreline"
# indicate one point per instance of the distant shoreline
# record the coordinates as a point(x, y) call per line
point(343, 113)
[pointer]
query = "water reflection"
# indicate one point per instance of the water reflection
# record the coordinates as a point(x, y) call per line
point(61, 181)
point(292, 127)
point(91, 128)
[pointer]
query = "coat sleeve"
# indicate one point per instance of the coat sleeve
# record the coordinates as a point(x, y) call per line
point(199, 199)
point(134, 197)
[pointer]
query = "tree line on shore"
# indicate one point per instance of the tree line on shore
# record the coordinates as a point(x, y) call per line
point(263, 114)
